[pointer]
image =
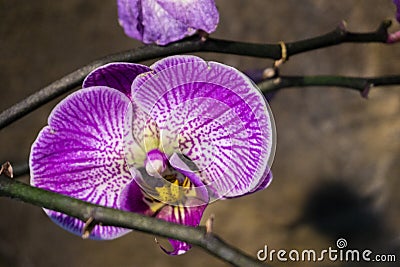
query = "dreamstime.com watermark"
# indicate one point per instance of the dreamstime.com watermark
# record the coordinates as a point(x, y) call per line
point(340, 253)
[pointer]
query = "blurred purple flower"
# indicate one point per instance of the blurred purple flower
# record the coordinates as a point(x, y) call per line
point(397, 3)
point(166, 21)
point(162, 141)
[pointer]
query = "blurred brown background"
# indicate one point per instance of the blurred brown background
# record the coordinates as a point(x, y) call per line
point(337, 165)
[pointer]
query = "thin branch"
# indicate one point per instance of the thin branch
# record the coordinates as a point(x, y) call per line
point(194, 44)
point(360, 84)
point(338, 36)
point(20, 169)
point(107, 216)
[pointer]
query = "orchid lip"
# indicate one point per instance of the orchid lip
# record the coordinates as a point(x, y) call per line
point(156, 162)
point(173, 187)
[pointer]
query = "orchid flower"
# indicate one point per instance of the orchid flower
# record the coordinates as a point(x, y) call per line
point(162, 141)
point(166, 21)
point(395, 37)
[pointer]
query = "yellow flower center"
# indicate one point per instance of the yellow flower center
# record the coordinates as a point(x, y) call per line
point(172, 193)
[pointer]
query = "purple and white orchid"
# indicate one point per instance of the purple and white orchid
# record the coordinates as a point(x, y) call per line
point(166, 21)
point(162, 141)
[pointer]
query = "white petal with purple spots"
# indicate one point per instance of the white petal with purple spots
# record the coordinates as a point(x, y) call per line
point(213, 114)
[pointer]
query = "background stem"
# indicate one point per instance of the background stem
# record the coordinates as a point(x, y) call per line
point(194, 44)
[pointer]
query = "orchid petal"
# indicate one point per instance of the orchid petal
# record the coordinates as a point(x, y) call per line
point(189, 215)
point(141, 137)
point(81, 154)
point(166, 21)
point(120, 76)
point(264, 183)
point(137, 129)
point(214, 115)
point(132, 197)
point(131, 17)
point(158, 67)
point(115, 75)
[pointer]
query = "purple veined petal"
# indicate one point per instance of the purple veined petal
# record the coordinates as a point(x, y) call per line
point(157, 68)
point(132, 198)
point(139, 121)
point(141, 136)
point(264, 183)
point(189, 215)
point(213, 114)
point(119, 75)
point(131, 17)
point(75, 226)
point(81, 154)
point(166, 21)
point(173, 61)
point(196, 14)
point(135, 127)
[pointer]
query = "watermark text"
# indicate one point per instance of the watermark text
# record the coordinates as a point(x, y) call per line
point(339, 253)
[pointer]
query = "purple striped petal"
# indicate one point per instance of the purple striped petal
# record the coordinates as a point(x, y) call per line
point(166, 21)
point(76, 226)
point(189, 212)
point(213, 114)
point(134, 138)
point(81, 153)
point(130, 16)
point(132, 198)
point(264, 183)
point(115, 75)
point(158, 67)
point(189, 215)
